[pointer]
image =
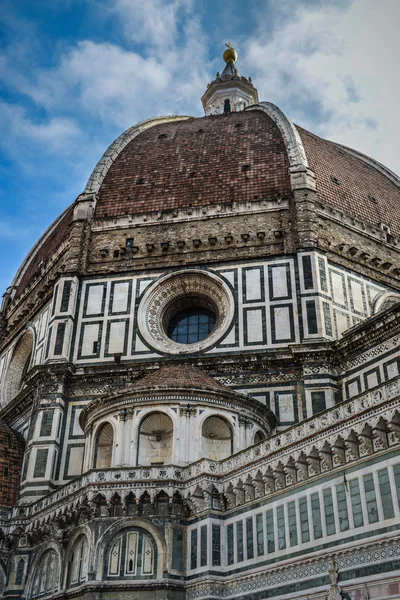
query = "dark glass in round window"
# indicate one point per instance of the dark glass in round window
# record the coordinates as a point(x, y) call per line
point(191, 325)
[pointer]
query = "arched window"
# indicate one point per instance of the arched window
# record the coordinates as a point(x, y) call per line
point(217, 438)
point(104, 447)
point(133, 554)
point(78, 562)
point(19, 366)
point(155, 440)
point(19, 573)
point(227, 106)
point(46, 579)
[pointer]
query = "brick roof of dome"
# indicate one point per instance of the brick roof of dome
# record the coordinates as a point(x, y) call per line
point(11, 457)
point(195, 162)
point(178, 375)
point(358, 181)
point(58, 232)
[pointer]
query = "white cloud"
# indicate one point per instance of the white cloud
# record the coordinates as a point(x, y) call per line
point(53, 135)
point(151, 22)
point(333, 69)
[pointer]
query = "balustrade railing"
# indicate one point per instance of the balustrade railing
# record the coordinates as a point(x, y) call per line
point(339, 418)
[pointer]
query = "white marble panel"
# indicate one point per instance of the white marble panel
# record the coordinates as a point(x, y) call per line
point(76, 429)
point(131, 553)
point(144, 284)
point(90, 335)
point(94, 300)
point(279, 282)
point(43, 324)
point(392, 370)
point(139, 346)
point(230, 338)
point(341, 323)
point(286, 408)
point(353, 389)
point(356, 290)
point(253, 284)
point(116, 336)
point(120, 297)
point(115, 557)
point(254, 326)
point(75, 460)
point(282, 323)
point(230, 276)
point(372, 380)
point(337, 288)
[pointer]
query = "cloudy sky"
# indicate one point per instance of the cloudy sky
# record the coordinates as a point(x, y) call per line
point(75, 73)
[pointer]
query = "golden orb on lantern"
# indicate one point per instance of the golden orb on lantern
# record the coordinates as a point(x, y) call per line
point(230, 55)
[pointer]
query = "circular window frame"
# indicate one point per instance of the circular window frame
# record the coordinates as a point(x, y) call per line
point(168, 295)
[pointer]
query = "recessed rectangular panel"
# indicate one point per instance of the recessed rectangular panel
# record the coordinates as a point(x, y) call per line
point(89, 346)
point(147, 557)
point(120, 297)
point(372, 378)
point(254, 326)
point(94, 300)
point(115, 557)
point(116, 337)
point(307, 273)
point(279, 282)
point(286, 408)
point(282, 323)
point(252, 285)
point(391, 368)
point(75, 460)
point(338, 289)
point(357, 296)
point(76, 428)
point(131, 553)
point(342, 322)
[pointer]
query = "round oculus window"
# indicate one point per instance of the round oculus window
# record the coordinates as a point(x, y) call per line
point(191, 325)
point(186, 312)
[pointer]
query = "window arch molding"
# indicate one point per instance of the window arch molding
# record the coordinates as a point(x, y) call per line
point(53, 548)
point(108, 424)
point(103, 544)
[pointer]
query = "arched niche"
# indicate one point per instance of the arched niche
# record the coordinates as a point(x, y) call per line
point(131, 554)
point(259, 437)
point(46, 576)
point(385, 301)
point(217, 438)
point(78, 562)
point(19, 366)
point(104, 447)
point(155, 440)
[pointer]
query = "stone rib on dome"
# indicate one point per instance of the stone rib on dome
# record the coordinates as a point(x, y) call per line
point(11, 457)
point(176, 376)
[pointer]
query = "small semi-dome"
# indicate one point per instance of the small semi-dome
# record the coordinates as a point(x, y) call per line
point(177, 376)
point(11, 457)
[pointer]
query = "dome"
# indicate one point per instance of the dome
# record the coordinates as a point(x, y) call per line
point(196, 162)
point(11, 456)
point(353, 182)
point(178, 162)
point(177, 376)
